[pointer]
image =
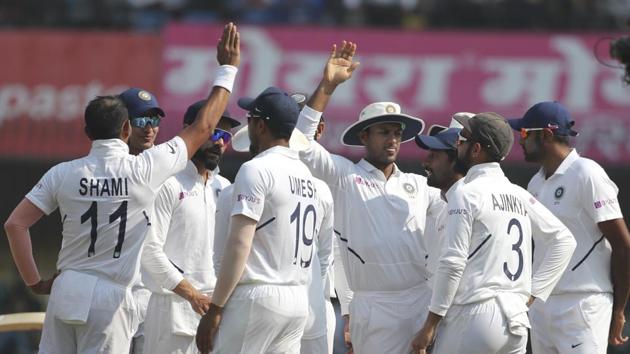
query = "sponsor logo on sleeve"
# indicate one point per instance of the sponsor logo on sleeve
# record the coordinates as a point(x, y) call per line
point(458, 212)
point(602, 203)
point(248, 198)
point(364, 182)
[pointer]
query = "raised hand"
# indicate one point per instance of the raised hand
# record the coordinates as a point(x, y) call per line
point(340, 65)
point(229, 46)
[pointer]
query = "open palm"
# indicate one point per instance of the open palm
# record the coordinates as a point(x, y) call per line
point(340, 65)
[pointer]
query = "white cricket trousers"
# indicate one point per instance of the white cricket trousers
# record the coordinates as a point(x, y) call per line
point(387, 321)
point(571, 323)
point(478, 328)
point(263, 319)
point(88, 314)
point(170, 325)
point(324, 343)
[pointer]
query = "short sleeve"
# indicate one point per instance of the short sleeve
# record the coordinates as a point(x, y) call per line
point(599, 195)
point(163, 161)
point(44, 194)
point(251, 187)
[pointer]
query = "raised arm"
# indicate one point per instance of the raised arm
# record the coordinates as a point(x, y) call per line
point(229, 57)
point(339, 68)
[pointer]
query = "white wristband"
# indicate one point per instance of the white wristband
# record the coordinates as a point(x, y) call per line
point(225, 76)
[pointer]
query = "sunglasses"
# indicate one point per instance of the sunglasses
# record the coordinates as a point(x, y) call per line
point(141, 122)
point(221, 134)
point(525, 131)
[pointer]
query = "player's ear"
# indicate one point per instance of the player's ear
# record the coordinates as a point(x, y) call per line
point(320, 130)
point(363, 136)
point(125, 132)
point(546, 135)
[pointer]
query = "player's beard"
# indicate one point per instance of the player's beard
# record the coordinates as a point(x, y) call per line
point(535, 152)
point(463, 164)
point(209, 157)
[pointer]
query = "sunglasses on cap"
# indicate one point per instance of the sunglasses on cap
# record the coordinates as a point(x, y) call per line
point(525, 131)
point(221, 134)
point(141, 122)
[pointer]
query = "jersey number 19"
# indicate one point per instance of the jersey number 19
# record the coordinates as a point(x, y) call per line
point(300, 233)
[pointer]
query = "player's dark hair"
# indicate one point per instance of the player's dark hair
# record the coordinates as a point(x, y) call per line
point(104, 117)
point(452, 157)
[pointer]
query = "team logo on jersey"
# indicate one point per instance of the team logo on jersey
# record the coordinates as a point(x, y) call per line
point(410, 189)
point(145, 96)
point(559, 192)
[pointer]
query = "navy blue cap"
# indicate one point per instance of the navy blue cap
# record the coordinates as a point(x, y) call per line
point(140, 102)
point(274, 106)
point(439, 139)
point(193, 110)
point(548, 114)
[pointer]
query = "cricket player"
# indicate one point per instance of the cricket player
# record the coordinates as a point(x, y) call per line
point(318, 337)
point(484, 280)
point(260, 301)
point(585, 311)
point(444, 171)
point(380, 215)
point(182, 235)
point(104, 200)
point(144, 117)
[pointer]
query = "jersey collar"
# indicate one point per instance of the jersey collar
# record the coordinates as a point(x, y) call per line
point(364, 164)
point(282, 150)
point(564, 166)
point(487, 169)
point(109, 147)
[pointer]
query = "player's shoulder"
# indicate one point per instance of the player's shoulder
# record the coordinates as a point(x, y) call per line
point(222, 181)
point(585, 167)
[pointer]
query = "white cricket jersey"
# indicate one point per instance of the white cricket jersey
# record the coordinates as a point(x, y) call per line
point(224, 207)
point(180, 244)
point(320, 269)
point(435, 239)
point(490, 225)
point(581, 194)
point(381, 222)
point(277, 190)
point(105, 200)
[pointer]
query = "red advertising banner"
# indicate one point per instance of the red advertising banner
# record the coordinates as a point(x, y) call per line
point(47, 79)
point(430, 74)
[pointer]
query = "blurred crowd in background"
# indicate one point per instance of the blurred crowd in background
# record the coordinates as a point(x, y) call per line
point(151, 15)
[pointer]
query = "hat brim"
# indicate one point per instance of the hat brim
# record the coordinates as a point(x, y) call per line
point(246, 103)
point(241, 142)
point(233, 122)
point(516, 123)
point(427, 142)
point(413, 127)
point(464, 121)
point(435, 129)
